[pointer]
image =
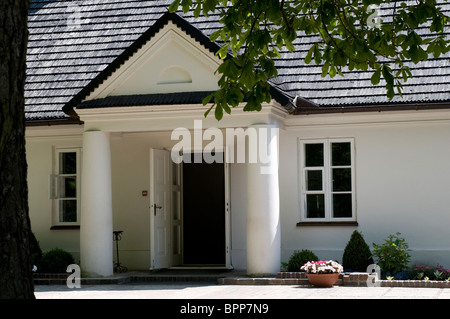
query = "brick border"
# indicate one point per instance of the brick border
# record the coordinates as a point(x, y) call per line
point(354, 279)
point(360, 279)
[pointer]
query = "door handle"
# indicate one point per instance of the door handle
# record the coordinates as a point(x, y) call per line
point(156, 207)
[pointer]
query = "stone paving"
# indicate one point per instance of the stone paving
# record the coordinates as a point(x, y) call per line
point(202, 284)
point(193, 290)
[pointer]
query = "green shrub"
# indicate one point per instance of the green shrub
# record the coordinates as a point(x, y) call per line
point(55, 261)
point(392, 256)
point(36, 252)
point(357, 255)
point(299, 258)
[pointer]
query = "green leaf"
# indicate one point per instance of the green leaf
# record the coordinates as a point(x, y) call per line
point(332, 71)
point(209, 110)
point(325, 68)
point(215, 35)
point(186, 4)
point(209, 5)
point(390, 91)
point(308, 56)
point(174, 6)
point(223, 52)
point(207, 99)
point(317, 54)
point(289, 45)
point(375, 79)
point(218, 113)
point(226, 108)
point(417, 54)
point(197, 10)
point(387, 74)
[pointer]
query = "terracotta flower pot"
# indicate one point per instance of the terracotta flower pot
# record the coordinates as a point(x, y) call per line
point(323, 280)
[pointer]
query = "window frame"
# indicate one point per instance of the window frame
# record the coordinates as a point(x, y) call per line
point(56, 184)
point(327, 181)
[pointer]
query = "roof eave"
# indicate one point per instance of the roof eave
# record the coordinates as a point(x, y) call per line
point(305, 110)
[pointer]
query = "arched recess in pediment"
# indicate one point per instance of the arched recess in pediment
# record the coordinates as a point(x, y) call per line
point(174, 74)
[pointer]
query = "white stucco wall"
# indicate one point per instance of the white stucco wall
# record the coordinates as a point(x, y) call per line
point(130, 176)
point(402, 182)
point(40, 145)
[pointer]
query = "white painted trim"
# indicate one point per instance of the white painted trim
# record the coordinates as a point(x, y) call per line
point(36, 133)
point(227, 206)
point(54, 185)
point(322, 121)
point(169, 117)
point(162, 38)
point(326, 177)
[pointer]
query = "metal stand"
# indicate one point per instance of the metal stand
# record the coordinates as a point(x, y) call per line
point(117, 266)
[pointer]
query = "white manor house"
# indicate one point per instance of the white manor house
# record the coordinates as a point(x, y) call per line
point(113, 95)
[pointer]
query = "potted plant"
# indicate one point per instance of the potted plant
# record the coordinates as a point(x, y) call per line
point(322, 273)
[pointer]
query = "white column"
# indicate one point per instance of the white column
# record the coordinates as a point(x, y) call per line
point(96, 241)
point(263, 206)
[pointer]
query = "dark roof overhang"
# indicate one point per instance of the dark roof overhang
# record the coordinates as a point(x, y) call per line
point(305, 110)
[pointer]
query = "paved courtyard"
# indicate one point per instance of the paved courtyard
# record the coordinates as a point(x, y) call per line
point(213, 291)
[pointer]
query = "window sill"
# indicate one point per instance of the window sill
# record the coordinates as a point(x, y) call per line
point(350, 223)
point(65, 227)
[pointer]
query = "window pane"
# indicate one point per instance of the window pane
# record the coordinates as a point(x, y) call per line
point(314, 180)
point(342, 179)
point(68, 163)
point(315, 206)
point(313, 155)
point(342, 205)
point(340, 154)
point(68, 211)
point(68, 187)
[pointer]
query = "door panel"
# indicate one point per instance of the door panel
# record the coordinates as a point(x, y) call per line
point(160, 208)
point(176, 215)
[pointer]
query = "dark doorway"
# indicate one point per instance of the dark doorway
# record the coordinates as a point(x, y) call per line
point(203, 213)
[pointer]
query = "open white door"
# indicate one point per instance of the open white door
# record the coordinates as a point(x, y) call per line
point(160, 220)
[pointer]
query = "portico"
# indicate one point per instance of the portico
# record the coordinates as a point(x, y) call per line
point(112, 139)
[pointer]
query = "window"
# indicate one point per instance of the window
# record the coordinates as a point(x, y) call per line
point(327, 180)
point(65, 187)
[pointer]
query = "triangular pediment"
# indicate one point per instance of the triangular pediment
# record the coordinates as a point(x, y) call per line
point(171, 61)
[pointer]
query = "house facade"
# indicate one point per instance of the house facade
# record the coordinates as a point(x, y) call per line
point(117, 141)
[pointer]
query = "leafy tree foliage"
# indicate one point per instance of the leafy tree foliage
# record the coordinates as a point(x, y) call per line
point(352, 35)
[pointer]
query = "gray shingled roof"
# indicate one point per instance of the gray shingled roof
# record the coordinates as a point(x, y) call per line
point(73, 43)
